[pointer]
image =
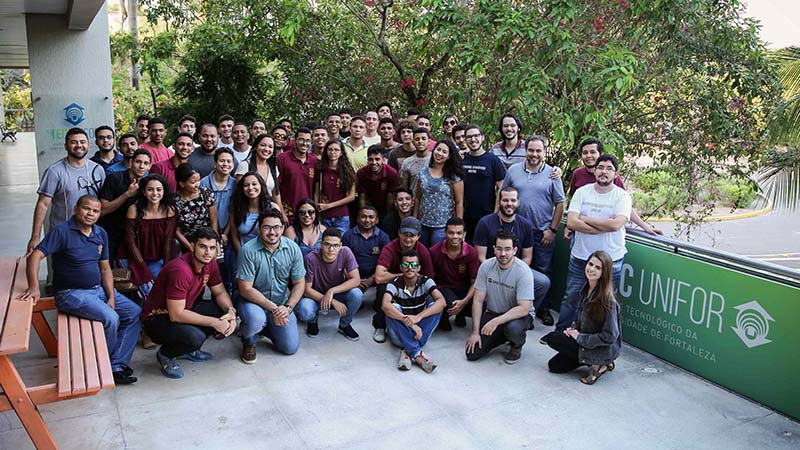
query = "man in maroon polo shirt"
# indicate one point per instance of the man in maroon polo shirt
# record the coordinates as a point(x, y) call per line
point(296, 179)
point(173, 316)
point(456, 264)
point(376, 181)
point(389, 268)
point(184, 147)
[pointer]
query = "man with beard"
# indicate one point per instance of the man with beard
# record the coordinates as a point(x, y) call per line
point(117, 194)
point(126, 145)
point(403, 207)
point(386, 132)
point(202, 160)
point(510, 149)
point(376, 182)
point(142, 132)
point(366, 240)
point(64, 182)
point(483, 177)
point(597, 214)
point(156, 130)
point(105, 155)
point(184, 147)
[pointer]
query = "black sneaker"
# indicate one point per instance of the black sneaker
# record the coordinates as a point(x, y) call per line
point(444, 324)
point(121, 378)
point(349, 332)
point(127, 371)
point(312, 329)
point(513, 355)
point(461, 321)
point(545, 317)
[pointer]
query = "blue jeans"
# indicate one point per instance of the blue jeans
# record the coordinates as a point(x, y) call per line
point(402, 336)
point(542, 262)
point(431, 236)
point(541, 286)
point(576, 278)
point(121, 324)
point(154, 266)
point(342, 223)
point(307, 310)
point(257, 320)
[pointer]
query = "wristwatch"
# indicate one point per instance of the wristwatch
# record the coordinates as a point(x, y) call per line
point(289, 307)
point(553, 230)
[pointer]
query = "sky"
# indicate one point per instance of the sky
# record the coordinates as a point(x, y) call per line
point(780, 21)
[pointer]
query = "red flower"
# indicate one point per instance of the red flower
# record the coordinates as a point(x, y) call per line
point(709, 146)
point(370, 2)
point(420, 101)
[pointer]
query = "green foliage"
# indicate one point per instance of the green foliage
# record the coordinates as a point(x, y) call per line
point(16, 86)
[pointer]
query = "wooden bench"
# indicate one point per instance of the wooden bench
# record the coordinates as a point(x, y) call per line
point(8, 134)
point(84, 367)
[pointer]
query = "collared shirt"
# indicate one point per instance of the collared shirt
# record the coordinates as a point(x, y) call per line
point(366, 250)
point(157, 154)
point(509, 158)
point(271, 273)
point(455, 272)
point(75, 255)
point(411, 302)
point(178, 280)
point(538, 193)
point(223, 196)
point(296, 179)
point(105, 165)
point(581, 177)
point(391, 256)
point(376, 187)
point(358, 156)
point(117, 167)
point(166, 169)
point(490, 224)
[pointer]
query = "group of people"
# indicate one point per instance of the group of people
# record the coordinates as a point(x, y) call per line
point(284, 225)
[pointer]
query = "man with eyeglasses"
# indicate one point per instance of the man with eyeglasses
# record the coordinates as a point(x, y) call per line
point(296, 177)
point(225, 125)
point(271, 279)
point(413, 306)
point(483, 178)
point(332, 281)
point(105, 156)
point(202, 159)
point(460, 139)
point(257, 128)
point(597, 215)
point(503, 295)
point(510, 149)
point(303, 139)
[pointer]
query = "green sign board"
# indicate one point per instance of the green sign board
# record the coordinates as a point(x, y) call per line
point(734, 329)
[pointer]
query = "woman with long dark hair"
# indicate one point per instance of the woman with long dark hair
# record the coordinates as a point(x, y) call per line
point(250, 198)
point(439, 192)
point(335, 186)
point(196, 206)
point(306, 230)
point(594, 339)
point(262, 160)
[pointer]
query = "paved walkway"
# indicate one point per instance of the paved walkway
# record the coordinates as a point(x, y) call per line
point(338, 394)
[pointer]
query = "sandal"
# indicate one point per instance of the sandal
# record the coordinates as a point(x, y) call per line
point(595, 375)
point(147, 343)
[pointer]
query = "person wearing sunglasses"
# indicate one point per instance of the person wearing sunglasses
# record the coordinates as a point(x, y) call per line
point(449, 122)
point(413, 306)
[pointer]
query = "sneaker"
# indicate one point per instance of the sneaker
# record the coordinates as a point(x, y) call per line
point(461, 321)
point(197, 356)
point(404, 363)
point(513, 355)
point(425, 363)
point(349, 332)
point(444, 324)
point(543, 340)
point(249, 355)
point(379, 335)
point(312, 329)
point(169, 366)
point(545, 317)
point(121, 378)
point(127, 371)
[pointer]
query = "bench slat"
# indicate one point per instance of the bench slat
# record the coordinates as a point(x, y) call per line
point(6, 280)
point(103, 360)
point(17, 330)
point(76, 356)
point(89, 357)
point(64, 367)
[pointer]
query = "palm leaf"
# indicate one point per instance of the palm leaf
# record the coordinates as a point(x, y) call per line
point(779, 178)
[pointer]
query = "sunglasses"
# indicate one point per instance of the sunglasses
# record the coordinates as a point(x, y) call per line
point(409, 264)
point(306, 212)
point(450, 122)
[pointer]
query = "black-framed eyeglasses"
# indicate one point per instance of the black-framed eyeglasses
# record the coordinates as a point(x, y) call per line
point(271, 227)
point(473, 136)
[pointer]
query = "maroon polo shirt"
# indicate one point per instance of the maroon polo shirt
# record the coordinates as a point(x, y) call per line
point(376, 187)
point(581, 177)
point(330, 191)
point(296, 180)
point(455, 273)
point(166, 169)
point(390, 258)
point(178, 280)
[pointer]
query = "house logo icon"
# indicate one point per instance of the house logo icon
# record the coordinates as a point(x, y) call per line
point(752, 324)
point(73, 114)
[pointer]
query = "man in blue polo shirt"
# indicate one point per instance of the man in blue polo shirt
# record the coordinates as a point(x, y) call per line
point(366, 240)
point(84, 283)
point(221, 183)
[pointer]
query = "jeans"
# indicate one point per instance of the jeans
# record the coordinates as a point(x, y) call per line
point(257, 320)
point(178, 339)
point(542, 262)
point(431, 236)
point(576, 278)
point(342, 223)
point(121, 324)
point(566, 359)
point(154, 266)
point(541, 286)
point(513, 332)
point(402, 336)
point(307, 309)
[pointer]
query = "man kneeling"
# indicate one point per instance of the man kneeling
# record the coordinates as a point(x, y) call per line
point(332, 281)
point(413, 307)
point(172, 315)
point(506, 284)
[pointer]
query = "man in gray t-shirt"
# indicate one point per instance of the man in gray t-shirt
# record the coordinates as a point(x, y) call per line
point(64, 182)
point(505, 284)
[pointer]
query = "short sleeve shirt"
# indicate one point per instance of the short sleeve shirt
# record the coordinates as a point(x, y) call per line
point(411, 167)
point(331, 190)
point(271, 273)
point(296, 180)
point(455, 272)
point(157, 154)
point(166, 169)
point(414, 301)
point(489, 225)
point(509, 158)
point(480, 175)
point(437, 205)
point(376, 187)
point(366, 250)
point(588, 202)
point(178, 280)
point(222, 195)
point(75, 255)
point(196, 213)
point(581, 177)
point(398, 155)
point(391, 256)
point(115, 185)
point(65, 184)
point(203, 162)
point(358, 156)
point(322, 275)
point(538, 193)
point(504, 288)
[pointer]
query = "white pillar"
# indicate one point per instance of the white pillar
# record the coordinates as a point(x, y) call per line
point(70, 81)
point(2, 108)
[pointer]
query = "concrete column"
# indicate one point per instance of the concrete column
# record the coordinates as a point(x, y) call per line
point(2, 107)
point(70, 81)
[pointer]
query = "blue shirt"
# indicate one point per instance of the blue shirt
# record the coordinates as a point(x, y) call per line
point(489, 225)
point(75, 255)
point(223, 197)
point(366, 250)
point(272, 273)
point(538, 193)
point(116, 167)
point(480, 175)
point(97, 159)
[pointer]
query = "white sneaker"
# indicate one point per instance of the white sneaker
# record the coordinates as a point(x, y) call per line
point(379, 335)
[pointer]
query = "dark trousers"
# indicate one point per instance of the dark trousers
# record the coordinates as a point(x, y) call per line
point(472, 223)
point(452, 294)
point(178, 339)
point(566, 360)
point(379, 318)
point(513, 332)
